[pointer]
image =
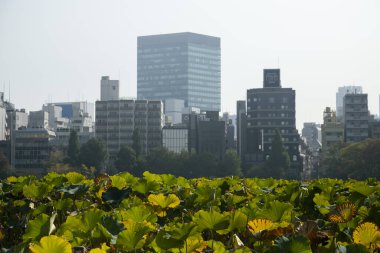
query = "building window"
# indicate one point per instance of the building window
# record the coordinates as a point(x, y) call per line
point(294, 158)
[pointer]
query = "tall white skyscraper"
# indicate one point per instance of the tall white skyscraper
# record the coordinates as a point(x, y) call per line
point(342, 91)
point(109, 89)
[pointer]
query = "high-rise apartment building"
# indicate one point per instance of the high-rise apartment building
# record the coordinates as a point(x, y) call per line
point(332, 129)
point(117, 119)
point(355, 117)
point(182, 66)
point(269, 109)
point(342, 91)
point(109, 89)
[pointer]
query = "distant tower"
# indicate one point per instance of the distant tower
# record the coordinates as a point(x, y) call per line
point(182, 66)
point(342, 91)
point(109, 89)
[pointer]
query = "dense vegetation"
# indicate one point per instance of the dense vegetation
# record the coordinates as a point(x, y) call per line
point(164, 213)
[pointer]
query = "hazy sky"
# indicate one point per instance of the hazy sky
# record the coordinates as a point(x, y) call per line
point(58, 50)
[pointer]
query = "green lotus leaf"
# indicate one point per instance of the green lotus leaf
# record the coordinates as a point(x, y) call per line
point(139, 214)
point(118, 182)
point(63, 204)
point(111, 224)
point(36, 190)
point(43, 225)
point(92, 217)
point(363, 188)
point(75, 178)
point(170, 201)
point(174, 237)
point(54, 179)
point(165, 241)
point(212, 220)
point(51, 244)
point(277, 211)
point(169, 180)
point(114, 196)
point(143, 186)
point(295, 245)
point(133, 238)
point(238, 221)
point(152, 177)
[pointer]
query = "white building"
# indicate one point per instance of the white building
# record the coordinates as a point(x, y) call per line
point(109, 89)
point(55, 116)
point(342, 91)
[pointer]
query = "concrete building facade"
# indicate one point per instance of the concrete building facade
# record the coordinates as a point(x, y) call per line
point(175, 138)
point(117, 119)
point(173, 109)
point(183, 66)
point(332, 130)
point(109, 89)
point(355, 117)
point(342, 91)
point(269, 109)
point(32, 149)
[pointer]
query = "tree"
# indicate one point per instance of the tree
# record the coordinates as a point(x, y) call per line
point(73, 149)
point(136, 142)
point(161, 160)
point(230, 165)
point(93, 154)
point(278, 163)
point(126, 159)
point(359, 160)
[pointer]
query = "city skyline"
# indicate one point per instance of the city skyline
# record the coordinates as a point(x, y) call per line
point(62, 49)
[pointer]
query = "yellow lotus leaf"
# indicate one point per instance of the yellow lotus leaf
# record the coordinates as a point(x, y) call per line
point(343, 213)
point(367, 234)
point(97, 250)
point(257, 225)
point(170, 201)
point(51, 244)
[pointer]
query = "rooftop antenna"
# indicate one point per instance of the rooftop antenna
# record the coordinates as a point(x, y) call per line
point(278, 62)
point(9, 92)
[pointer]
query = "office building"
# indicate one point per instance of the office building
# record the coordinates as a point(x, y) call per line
point(342, 91)
point(38, 119)
point(355, 117)
point(32, 150)
point(76, 109)
point(175, 138)
point(173, 110)
point(56, 120)
point(269, 109)
point(181, 66)
point(109, 89)
point(117, 119)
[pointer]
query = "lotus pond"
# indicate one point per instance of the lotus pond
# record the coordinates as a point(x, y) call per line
point(62, 213)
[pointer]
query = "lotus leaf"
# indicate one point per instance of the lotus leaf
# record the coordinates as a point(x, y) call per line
point(51, 244)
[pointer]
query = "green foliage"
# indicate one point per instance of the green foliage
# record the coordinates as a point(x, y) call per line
point(359, 160)
point(136, 142)
point(93, 154)
point(126, 159)
point(278, 163)
point(73, 148)
point(163, 213)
